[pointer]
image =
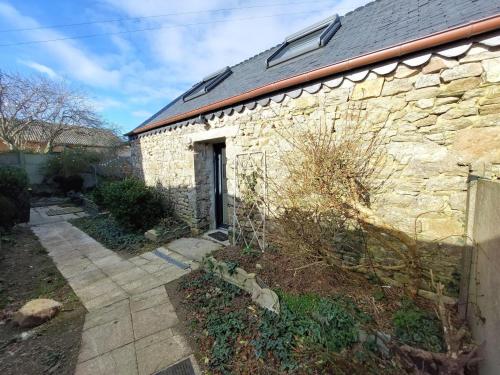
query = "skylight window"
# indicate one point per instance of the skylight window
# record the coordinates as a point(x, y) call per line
point(207, 84)
point(309, 39)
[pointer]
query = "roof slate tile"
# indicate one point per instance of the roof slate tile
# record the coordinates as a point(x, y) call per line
point(374, 26)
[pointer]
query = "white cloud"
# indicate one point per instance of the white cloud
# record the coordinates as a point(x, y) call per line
point(103, 103)
point(139, 73)
point(73, 60)
point(189, 53)
point(40, 68)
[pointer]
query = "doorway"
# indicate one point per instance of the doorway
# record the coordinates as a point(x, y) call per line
point(220, 186)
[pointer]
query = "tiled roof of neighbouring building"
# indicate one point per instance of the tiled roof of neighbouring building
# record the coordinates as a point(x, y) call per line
point(375, 26)
point(76, 136)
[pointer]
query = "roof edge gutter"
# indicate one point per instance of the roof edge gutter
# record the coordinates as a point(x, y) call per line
point(433, 40)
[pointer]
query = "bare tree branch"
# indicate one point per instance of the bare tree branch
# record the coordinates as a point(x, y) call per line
point(37, 109)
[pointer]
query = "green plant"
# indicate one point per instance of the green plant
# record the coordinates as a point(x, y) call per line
point(7, 213)
point(232, 267)
point(305, 319)
point(248, 250)
point(379, 295)
point(302, 304)
point(277, 335)
point(170, 228)
point(14, 188)
point(224, 328)
point(104, 229)
point(97, 194)
point(71, 161)
point(13, 181)
point(416, 327)
point(209, 292)
point(132, 203)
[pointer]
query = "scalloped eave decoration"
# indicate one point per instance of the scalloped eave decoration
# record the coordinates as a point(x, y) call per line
point(417, 60)
point(493, 41)
point(454, 51)
point(383, 69)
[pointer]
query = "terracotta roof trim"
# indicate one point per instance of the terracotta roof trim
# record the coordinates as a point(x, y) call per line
point(451, 35)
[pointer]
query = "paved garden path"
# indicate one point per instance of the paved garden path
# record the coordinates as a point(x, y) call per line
point(131, 325)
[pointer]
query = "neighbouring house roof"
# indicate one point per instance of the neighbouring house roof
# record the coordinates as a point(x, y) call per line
point(377, 26)
point(76, 136)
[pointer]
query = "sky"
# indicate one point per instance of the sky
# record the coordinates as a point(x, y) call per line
point(132, 57)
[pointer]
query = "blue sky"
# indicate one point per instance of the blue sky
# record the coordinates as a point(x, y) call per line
point(130, 74)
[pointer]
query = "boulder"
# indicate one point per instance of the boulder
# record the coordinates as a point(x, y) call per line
point(36, 312)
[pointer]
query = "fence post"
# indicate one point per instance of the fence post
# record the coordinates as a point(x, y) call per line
point(466, 264)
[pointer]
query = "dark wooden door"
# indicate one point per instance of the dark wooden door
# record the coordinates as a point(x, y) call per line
point(219, 183)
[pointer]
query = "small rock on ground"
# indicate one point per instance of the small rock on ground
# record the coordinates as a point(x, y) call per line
point(36, 312)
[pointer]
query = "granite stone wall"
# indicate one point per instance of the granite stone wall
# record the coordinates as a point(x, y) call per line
point(440, 122)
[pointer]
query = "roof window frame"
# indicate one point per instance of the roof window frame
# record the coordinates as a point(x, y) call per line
point(208, 83)
point(331, 26)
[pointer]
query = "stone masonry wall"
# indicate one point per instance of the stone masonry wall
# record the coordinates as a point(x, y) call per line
point(440, 122)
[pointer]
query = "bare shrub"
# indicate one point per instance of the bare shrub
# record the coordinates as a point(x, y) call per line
point(460, 354)
point(321, 205)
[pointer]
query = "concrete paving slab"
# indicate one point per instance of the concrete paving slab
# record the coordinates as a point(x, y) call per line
point(129, 276)
point(149, 256)
point(84, 279)
point(107, 314)
point(105, 299)
point(120, 361)
point(106, 337)
point(150, 298)
point(38, 216)
point(66, 257)
point(131, 326)
point(138, 260)
point(158, 351)
point(156, 265)
point(118, 267)
point(97, 289)
point(109, 260)
point(191, 263)
point(154, 319)
point(98, 254)
point(142, 285)
point(73, 258)
point(71, 271)
point(193, 248)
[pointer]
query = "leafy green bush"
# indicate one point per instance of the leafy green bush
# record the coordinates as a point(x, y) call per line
point(14, 187)
point(8, 214)
point(13, 181)
point(132, 203)
point(71, 161)
point(416, 327)
point(97, 195)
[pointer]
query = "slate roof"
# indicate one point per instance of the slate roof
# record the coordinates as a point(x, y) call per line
point(375, 26)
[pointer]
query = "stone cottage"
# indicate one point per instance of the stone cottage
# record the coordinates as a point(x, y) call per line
point(428, 72)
